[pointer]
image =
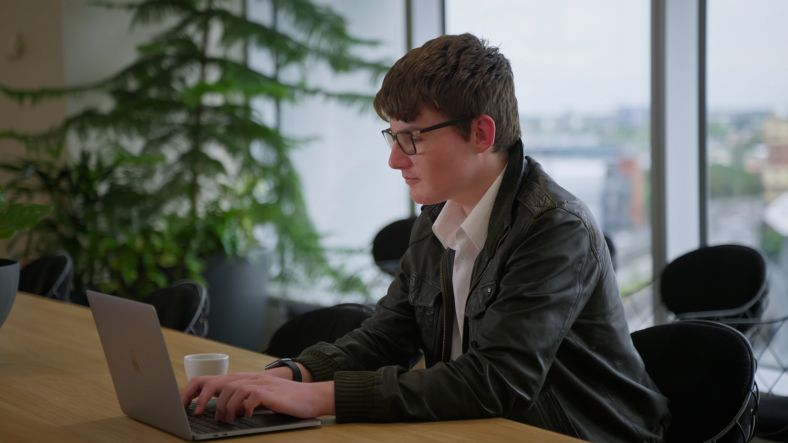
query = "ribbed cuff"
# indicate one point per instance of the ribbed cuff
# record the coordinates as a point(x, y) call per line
point(353, 394)
point(321, 366)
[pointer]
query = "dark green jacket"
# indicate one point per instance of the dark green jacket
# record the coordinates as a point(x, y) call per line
point(546, 340)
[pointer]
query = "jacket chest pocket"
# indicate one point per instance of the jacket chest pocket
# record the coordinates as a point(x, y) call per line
point(476, 306)
point(424, 297)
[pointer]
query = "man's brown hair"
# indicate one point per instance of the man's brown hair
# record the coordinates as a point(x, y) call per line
point(459, 76)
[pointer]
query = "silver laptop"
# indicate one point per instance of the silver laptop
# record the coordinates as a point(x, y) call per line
point(145, 382)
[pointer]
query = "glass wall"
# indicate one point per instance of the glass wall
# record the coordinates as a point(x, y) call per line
point(747, 137)
point(582, 80)
point(350, 191)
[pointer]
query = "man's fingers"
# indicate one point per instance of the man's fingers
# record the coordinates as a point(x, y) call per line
point(236, 394)
point(234, 403)
point(209, 389)
point(227, 390)
point(192, 389)
point(251, 402)
point(197, 388)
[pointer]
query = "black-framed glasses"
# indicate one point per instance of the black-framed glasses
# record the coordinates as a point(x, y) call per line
point(407, 139)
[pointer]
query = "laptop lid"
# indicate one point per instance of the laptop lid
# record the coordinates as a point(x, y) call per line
point(138, 362)
point(141, 370)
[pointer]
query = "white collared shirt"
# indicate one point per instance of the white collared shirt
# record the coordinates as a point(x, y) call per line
point(466, 234)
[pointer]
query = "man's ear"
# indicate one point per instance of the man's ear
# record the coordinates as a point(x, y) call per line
point(483, 132)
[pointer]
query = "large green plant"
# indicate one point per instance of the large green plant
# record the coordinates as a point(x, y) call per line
point(220, 169)
point(16, 217)
point(109, 227)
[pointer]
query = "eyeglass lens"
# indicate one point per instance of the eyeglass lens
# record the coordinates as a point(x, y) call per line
point(403, 139)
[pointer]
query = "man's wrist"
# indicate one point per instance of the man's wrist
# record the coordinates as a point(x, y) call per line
point(287, 374)
point(282, 372)
point(326, 397)
point(288, 363)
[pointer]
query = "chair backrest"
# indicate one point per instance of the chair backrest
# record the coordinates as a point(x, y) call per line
point(51, 276)
point(707, 372)
point(716, 282)
point(183, 306)
point(390, 244)
point(324, 324)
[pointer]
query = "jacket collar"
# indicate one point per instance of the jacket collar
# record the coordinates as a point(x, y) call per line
point(504, 208)
point(502, 213)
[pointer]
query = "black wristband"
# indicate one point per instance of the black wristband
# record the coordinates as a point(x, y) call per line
point(290, 364)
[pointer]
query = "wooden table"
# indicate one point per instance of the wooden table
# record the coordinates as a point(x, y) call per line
point(55, 385)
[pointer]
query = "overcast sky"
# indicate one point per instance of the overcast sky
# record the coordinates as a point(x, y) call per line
point(593, 55)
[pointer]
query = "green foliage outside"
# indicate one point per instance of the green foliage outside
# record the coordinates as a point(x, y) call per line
point(771, 242)
point(733, 181)
point(181, 167)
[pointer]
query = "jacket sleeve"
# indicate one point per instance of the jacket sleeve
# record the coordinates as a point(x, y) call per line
point(548, 275)
point(389, 337)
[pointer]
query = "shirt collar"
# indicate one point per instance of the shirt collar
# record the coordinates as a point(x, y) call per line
point(452, 219)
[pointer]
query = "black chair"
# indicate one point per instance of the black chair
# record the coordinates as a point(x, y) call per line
point(390, 244)
point(51, 276)
point(324, 324)
point(728, 284)
point(722, 283)
point(707, 372)
point(183, 306)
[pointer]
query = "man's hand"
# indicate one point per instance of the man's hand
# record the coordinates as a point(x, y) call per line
point(241, 393)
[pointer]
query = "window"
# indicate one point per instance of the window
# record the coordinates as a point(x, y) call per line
point(349, 189)
point(747, 135)
point(582, 79)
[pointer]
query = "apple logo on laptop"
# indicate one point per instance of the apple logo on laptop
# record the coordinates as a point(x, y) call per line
point(135, 364)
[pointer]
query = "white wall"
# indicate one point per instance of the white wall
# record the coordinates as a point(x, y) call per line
point(97, 42)
point(30, 57)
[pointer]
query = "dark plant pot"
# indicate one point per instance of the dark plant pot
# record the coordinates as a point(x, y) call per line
point(237, 289)
point(9, 284)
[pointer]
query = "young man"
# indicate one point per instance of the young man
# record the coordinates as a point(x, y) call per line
point(507, 286)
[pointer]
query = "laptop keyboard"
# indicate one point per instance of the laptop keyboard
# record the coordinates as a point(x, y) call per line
point(206, 424)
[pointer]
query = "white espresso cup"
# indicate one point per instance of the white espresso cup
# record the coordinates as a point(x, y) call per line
point(196, 365)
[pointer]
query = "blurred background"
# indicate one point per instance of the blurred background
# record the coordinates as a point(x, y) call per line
point(225, 131)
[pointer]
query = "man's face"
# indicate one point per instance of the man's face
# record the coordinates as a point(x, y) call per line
point(444, 165)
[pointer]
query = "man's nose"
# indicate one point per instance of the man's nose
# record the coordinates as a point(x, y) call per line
point(397, 158)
